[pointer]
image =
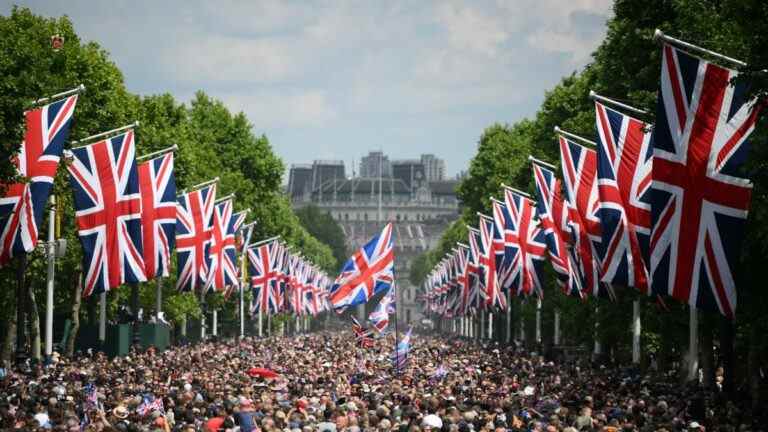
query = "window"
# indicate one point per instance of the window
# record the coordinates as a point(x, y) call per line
point(346, 216)
point(408, 316)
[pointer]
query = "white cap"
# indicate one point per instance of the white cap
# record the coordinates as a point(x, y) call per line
point(431, 421)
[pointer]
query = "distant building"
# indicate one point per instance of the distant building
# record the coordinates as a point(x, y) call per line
point(420, 209)
point(371, 164)
point(305, 178)
point(434, 168)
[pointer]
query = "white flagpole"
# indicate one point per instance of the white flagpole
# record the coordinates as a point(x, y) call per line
point(76, 90)
point(659, 35)
point(538, 320)
point(574, 136)
point(636, 332)
point(693, 344)
point(159, 298)
point(51, 247)
point(103, 134)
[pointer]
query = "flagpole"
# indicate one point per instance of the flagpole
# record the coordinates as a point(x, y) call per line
point(659, 35)
point(596, 97)
point(76, 90)
point(103, 134)
point(51, 248)
point(574, 136)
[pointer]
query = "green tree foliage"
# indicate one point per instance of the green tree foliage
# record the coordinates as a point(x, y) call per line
point(212, 142)
point(323, 227)
point(626, 66)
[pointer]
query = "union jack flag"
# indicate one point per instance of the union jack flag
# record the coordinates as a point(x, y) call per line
point(491, 255)
point(149, 404)
point(475, 288)
point(363, 336)
point(22, 207)
point(264, 276)
point(403, 348)
point(463, 279)
point(699, 200)
point(193, 236)
point(379, 318)
point(515, 218)
point(369, 271)
point(314, 295)
point(105, 183)
point(297, 286)
point(579, 171)
point(553, 214)
point(624, 162)
point(278, 288)
point(222, 262)
point(157, 185)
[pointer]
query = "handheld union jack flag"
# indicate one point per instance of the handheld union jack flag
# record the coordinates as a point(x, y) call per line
point(491, 256)
point(105, 183)
point(363, 336)
point(22, 207)
point(624, 161)
point(515, 217)
point(579, 171)
point(379, 318)
point(403, 348)
point(699, 200)
point(553, 214)
point(193, 236)
point(157, 185)
point(369, 271)
point(264, 273)
point(222, 262)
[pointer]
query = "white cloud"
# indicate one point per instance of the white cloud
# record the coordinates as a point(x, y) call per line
point(303, 68)
point(470, 29)
point(284, 109)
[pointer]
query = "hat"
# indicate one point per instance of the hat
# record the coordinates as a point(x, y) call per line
point(120, 412)
point(351, 406)
point(694, 425)
point(431, 421)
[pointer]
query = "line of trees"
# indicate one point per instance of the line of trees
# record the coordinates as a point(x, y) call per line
point(626, 66)
point(212, 142)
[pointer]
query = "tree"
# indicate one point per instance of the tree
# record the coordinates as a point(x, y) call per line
point(324, 228)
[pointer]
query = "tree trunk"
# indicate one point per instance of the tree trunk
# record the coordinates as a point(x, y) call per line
point(76, 302)
point(707, 352)
point(9, 340)
point(727, 355)
point(34, 324)
point(754, 363)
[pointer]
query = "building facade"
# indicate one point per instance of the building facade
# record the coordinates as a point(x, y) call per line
point(419, 209)
point(373, 164)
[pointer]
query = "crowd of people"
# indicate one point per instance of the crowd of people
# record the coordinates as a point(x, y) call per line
point(324, 382)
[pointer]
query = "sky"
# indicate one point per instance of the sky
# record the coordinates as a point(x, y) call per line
point(336, 79)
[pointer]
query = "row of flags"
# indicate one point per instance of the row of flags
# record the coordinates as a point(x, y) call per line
point(130, 218)
point(657, 207)
point(283, 281)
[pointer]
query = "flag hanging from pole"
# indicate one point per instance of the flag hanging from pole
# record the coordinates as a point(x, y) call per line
point(157, 185)
point(193, 236)
point(699, 197)
point(22, 207)
point(105, 184)
point(624, 161)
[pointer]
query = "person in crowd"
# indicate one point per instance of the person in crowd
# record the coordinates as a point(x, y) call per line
point(324, 382)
